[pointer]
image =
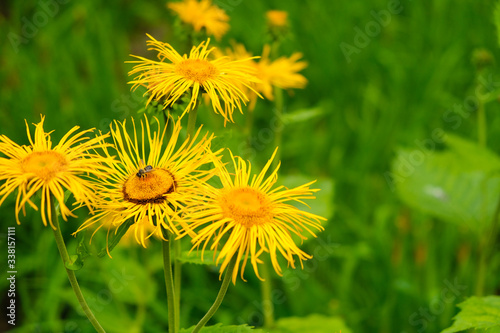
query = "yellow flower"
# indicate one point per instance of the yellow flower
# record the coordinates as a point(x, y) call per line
point(221, 78)
point(50, 170)
point(249, 216)
point(277, 18)
point(282, 72)
point(151, 193)
point(202, 14)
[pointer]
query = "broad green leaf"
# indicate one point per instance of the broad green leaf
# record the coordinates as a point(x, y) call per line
point(460, 184)
point(322, 205)
point(314, 323)
point(115, 237)
point(219, 328)
point(303, 115)
point(477, 313)
point(194, 257)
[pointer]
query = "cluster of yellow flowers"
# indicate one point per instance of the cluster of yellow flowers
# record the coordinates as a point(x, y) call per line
point(159, 181)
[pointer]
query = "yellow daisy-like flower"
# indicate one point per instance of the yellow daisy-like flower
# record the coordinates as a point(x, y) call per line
point(51, 170)
point(151, 193)
point(282, 72)
point(277, 18)
point(248, 217)
point(174, 75)
point(202, 14)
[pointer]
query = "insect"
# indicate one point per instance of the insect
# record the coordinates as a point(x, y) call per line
point(143, 172)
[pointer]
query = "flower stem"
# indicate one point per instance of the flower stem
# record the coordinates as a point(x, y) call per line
point(169, 283)
point(220, 296)
point(278, 135)
point(177, 279)
point(481, 124)
point(63, 251)
point(266, 289)
point(192, 121)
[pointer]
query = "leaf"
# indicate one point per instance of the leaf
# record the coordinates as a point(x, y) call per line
point(314, 323)
point(194, 257)
point(82, 252)
point(302, 115)
point(115, 237)
point(460, 184)
point(477, 313)
point(219, 328)
point(322, 205)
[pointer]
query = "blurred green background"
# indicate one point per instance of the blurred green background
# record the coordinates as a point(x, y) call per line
point(380, 265)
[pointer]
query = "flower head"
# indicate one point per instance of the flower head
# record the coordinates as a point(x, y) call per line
point(202, 14)
point(281, 73)
point(151, 181)
point(249, 216)
point(277, 18)
point(51, 170)
point(174, 75)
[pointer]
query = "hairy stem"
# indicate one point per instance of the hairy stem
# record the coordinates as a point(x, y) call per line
point(220, 296)
point(63, 251)
point(169, 283)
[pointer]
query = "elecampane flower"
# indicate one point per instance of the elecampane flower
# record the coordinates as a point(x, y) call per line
point(173, 75)
point(282, 72)
point(249, 216)
point(40, 167)
point(151, 181)
point(202, 15)
point(277, 18)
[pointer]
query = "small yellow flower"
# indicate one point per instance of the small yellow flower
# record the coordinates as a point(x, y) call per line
point(282, 72)
point(277, 18)
point(249, 216)
point(151, 181)
point(221, 78)
point(202, 14)
point(51, 170)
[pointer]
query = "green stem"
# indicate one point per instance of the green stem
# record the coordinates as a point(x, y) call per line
point(481, 124)
point(278, 135)
point(177, 279)
point(169, 283)
point(220, 296)
point(266, 289)
point(63, 251)
point(191, 129)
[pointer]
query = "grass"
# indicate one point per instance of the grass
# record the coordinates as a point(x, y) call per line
point(384, 264)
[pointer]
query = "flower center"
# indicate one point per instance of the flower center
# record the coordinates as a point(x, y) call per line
point(151, 187)
point(44, 164)
point(246, 206)
point(198, 70)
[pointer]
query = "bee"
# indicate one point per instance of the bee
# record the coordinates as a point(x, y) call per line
point(143, 172)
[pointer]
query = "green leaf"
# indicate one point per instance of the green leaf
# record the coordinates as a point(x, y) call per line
point(314, 323)
point(194, 257)
point(302, 115)
point(322, 205)
point(219, 328)
point(460, 184)
point(477, 313)
point(82, 252)
point(114, 237)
